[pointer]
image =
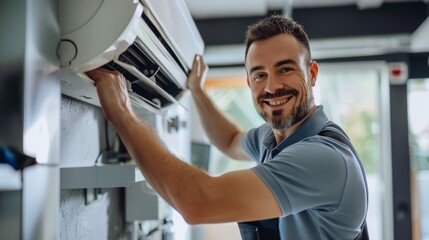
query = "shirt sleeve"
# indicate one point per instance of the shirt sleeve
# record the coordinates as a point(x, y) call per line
point(305, 175)
point(252, 142)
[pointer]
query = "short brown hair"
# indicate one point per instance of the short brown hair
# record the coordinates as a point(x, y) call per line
point(271, 26)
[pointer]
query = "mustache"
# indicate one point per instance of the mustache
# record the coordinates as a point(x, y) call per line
point(278, 93)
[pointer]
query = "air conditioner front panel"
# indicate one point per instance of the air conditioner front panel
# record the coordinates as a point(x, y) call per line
point(92, 42)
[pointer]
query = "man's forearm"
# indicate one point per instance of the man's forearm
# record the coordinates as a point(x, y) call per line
point(168, 176)
point(218, 128)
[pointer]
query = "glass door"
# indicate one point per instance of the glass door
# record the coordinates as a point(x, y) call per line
point(418, 121)
point(356, 96)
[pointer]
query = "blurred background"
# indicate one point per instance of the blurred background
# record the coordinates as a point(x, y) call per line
point(360, 45)
point(373, 80)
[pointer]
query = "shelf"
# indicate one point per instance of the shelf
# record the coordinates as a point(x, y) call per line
point(99, 176)
point(10, 179)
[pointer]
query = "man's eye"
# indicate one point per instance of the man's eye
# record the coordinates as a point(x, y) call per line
point(286, 69)
point(258, 76)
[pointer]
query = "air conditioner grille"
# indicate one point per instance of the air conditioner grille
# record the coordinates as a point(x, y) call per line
point(163, 41)
point(145, 90)
point(136, 57)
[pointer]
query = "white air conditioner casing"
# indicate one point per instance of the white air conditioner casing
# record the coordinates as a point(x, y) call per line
point(151, 42)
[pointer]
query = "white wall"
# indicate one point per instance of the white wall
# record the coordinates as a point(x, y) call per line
point(82, 127)
point(82, 139)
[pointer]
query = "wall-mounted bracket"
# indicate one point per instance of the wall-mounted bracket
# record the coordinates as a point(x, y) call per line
point(99, 176)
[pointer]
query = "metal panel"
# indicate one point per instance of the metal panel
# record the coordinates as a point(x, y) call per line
point(400, 163)
point(12, 55)
point(30, 106)
point(41, 112)
point(141, 202)
point(99, 176)
point(40, 202)
point(42, 92)
point(10, 214)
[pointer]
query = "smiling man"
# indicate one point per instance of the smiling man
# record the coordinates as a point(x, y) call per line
point(308, 184)
point(281, 81)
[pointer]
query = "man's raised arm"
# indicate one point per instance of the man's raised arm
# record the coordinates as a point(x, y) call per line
point(222, 133)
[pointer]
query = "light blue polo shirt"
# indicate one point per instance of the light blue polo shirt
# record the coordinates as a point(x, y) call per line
point(317, 181)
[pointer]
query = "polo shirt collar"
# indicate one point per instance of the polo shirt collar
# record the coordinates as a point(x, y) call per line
point(310, 127)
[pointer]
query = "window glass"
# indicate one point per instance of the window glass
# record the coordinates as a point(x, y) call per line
point(418, 120)
point(236, 103)
point(351, 98)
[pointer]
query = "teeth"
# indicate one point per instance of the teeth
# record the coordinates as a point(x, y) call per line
point(277, 102)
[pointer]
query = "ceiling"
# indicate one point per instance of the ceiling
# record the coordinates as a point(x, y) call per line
point(205, 9)
point(336, 28)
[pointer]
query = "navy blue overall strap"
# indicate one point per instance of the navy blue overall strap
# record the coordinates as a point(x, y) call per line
point(363, 235)
point(260, 230)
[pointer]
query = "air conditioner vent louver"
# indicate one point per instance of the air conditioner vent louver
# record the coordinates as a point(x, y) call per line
point(142, 88)
point(162, 40)
point(136, 57)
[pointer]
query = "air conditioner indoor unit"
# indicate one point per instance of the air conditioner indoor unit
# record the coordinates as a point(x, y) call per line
point(151, 42)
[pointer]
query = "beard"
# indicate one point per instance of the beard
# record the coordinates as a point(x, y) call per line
point(278, 119)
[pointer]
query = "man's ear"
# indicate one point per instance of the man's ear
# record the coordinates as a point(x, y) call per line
point(247, 77)
point(314, 70)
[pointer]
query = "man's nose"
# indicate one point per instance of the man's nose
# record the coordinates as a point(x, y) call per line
point(272, 84)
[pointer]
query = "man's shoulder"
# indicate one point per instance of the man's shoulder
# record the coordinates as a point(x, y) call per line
point(260, 132)
point(332, 126)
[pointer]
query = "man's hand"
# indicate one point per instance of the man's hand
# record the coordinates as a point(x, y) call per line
point(112, 92)
point(198, 74)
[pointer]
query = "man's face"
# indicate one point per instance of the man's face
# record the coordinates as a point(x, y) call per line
point(281, 80)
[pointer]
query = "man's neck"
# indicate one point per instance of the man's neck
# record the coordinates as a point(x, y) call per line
point(282, 134)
